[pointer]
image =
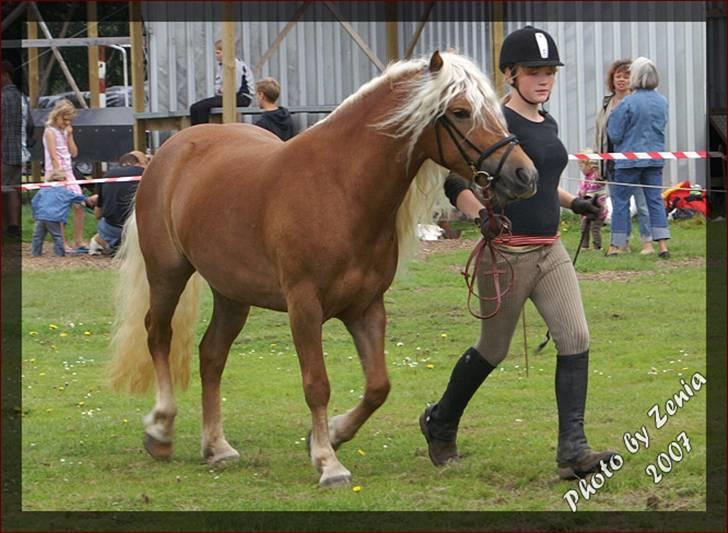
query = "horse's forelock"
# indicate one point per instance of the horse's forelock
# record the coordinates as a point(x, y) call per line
point(431, 94)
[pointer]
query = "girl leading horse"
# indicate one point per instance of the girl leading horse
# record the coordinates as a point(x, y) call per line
point(227, 203)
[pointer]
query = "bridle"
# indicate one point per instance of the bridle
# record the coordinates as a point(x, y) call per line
point(485, 180)
point(480, 176)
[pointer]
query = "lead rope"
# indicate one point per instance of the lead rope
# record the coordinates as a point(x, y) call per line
point(477, 254)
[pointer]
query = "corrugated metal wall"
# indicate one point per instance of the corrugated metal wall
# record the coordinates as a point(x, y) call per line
point(318, 63)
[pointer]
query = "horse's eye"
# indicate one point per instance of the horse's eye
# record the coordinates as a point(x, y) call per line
point(461, 113)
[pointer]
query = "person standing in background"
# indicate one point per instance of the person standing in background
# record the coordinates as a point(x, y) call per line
point(638, 124)
point(618, 85)
point(59, 148)
point(17, 127)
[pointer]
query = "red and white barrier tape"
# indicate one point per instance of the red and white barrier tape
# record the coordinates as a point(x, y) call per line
point(615, 156)
point(701, 154)
point(47, 184)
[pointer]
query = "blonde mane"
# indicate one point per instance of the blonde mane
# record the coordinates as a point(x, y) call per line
point(430, 96)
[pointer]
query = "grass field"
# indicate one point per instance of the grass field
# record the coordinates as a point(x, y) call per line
point(81, 443)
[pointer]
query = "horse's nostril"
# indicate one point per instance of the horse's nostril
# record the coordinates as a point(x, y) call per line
point(526, 177)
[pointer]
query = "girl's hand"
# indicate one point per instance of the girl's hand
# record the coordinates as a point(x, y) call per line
point(69, 130)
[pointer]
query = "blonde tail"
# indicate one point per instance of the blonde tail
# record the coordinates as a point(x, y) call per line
point(131, 369)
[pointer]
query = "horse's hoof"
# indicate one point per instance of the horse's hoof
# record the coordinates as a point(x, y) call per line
point(157, 448)
point(335, 481)
point(223, 459)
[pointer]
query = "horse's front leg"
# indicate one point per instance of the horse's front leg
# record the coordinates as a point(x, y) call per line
point(367, 329)
point(306, 319)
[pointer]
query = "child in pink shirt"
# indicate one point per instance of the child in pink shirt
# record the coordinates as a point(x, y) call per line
point(591, 185)
point(59, 148)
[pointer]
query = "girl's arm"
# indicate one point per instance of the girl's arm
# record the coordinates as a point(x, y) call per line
point(565, 198)
point(51, 147)
point(71, 142)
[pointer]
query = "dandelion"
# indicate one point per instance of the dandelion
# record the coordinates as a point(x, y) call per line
point(443, 335)
point(33, 333)
point(356, 488)
point(429, 365)
point(52, 326)
point(87, 333)
point(361, 452)
point(63, 334)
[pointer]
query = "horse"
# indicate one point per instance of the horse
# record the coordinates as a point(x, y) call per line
point(314, 226)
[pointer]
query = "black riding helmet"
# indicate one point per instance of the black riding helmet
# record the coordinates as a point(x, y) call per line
point(529, 47)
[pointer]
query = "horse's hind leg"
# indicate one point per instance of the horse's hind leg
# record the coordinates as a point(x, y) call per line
point(306, 318)
point(367, 329)
point(165, 290)
point(228, 318)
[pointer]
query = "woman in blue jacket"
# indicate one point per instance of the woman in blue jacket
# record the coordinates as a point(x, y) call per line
point(637, 124)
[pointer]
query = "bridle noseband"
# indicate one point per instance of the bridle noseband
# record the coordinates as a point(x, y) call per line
point(480, 176)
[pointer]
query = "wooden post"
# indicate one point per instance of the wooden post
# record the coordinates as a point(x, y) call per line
point(93, 55)
point(59, 57)
point(418, 31)
point(496, 42)
point(33, 77)
point(228, 67)
point(392, 32)
point(137, 72)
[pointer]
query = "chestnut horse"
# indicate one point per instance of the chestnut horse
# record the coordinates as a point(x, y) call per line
point(313, 226)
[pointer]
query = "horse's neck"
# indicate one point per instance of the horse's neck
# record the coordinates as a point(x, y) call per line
point(374, 166)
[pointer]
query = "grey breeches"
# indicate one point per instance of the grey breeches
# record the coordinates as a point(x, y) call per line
point(547, 277)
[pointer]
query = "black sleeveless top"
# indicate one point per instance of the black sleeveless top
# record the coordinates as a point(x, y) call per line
point(540, 214)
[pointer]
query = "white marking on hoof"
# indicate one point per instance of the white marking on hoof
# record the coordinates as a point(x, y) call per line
point(223, 459)
point(335, 477)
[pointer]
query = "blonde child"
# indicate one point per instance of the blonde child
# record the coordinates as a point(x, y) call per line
point(59, 147)
point(592, 185)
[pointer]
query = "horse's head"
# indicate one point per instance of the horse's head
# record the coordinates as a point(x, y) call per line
point(462, 128)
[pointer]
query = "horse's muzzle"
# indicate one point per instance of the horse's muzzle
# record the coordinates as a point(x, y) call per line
point(525, 183)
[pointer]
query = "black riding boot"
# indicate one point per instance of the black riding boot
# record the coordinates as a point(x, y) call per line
point(574, 457)
point(439, 422)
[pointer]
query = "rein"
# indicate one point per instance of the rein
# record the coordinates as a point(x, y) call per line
point(471, 278)
point(485, 180)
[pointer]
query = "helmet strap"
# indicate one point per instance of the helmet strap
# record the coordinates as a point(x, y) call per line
point(514, 84)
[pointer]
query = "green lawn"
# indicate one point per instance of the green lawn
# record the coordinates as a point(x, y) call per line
point(81, 444)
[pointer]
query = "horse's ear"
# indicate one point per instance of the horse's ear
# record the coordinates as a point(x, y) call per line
point(435, 62)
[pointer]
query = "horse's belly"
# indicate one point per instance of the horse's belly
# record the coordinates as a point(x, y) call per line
point(252, 288)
